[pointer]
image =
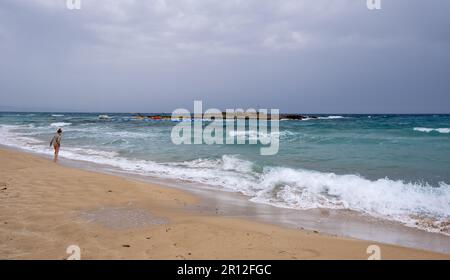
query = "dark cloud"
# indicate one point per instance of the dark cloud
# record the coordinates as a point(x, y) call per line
point(299, 56)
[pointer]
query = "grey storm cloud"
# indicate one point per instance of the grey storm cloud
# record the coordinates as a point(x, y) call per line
point(330, 56)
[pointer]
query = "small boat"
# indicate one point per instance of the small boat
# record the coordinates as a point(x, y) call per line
point(104, 117)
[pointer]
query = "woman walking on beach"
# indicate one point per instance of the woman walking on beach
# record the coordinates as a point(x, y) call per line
point(56, 142)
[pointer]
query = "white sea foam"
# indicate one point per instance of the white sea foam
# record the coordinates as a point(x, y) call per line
point(318, 118)
point(255, 135)
point(60, 124)
point(57, 115)
point(17, 139)
point(331, 117)
point(414, 204)
point(408, 203)
point(428, 130)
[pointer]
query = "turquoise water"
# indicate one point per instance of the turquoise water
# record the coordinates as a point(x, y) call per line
point(395, 167)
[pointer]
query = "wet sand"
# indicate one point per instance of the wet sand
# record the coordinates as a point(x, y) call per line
point(46, 207)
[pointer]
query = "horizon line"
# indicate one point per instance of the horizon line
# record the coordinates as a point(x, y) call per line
point(284, 113)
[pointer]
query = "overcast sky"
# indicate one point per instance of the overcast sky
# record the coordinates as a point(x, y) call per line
point(310, 56)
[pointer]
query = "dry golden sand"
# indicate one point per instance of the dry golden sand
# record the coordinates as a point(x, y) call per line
point(45, 207)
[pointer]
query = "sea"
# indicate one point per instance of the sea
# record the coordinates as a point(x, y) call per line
point(390, 167)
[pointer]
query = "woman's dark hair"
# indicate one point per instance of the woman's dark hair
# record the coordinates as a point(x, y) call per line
point(59, 130)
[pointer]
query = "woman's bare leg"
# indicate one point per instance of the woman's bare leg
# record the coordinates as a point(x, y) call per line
point(56, 153)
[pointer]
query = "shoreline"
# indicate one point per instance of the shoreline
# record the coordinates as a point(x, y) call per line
point(47, 207)
point(284, 181)
point(342, 223)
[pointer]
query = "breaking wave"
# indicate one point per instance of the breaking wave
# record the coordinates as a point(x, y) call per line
point(413, 204)
point(428, 130)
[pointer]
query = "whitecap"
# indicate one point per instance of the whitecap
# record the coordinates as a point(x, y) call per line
point(60, 124)
point(332, 117)
point(428, 130)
